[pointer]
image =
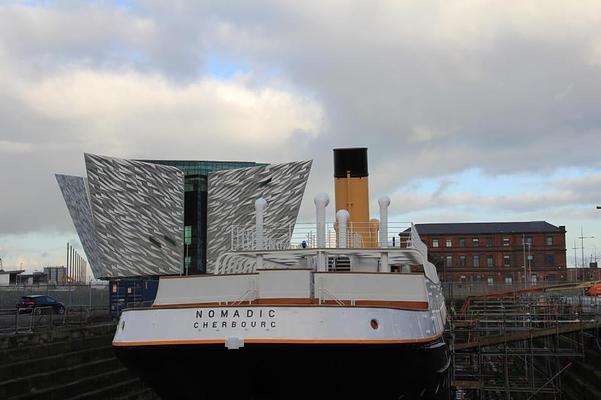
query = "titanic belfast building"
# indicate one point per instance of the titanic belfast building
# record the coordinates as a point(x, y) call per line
point(143, 218)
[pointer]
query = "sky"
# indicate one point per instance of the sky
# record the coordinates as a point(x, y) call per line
point(471, 110)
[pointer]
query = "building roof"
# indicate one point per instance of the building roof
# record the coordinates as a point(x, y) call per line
point(466, 228)
point(14, 271)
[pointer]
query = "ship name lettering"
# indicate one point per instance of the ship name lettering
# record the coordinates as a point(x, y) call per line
point(228, 318)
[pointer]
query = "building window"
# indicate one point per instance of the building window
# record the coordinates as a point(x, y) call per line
point(549, 240)
point(449, 261)
point(461, 242)
point(508, 280)
point(434, 242)
point(490, 280)
point(550, 260)
point(449, 243)
point(476, 261)
point(505, 242)
point(506, 261)
point(475, 242)
point(462, 261)
point(489, 242)
point(534, 279)
point(490, 261)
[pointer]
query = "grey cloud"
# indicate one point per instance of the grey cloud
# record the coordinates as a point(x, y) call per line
point(573, 197)
point(431, 88)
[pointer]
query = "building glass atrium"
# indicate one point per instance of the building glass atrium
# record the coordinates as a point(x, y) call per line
point(196, 175)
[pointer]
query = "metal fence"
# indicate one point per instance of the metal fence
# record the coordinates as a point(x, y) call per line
point(90, 295)
point(83, 304)
point(44, 318)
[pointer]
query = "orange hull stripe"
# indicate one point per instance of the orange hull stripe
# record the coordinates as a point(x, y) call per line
point(278, 341)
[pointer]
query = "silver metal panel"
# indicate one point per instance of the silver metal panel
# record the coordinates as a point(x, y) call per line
point(231, 199)
point(138, 213)
point(76, 197)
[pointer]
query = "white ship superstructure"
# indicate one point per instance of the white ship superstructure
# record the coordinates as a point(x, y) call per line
point(291, 298)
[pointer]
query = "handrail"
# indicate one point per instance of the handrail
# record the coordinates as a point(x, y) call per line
point(304, 235)
point(339, 302)
point(244, 295)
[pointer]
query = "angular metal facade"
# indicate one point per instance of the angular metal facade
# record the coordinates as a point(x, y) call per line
point(231, 199)
point(75, 193)
point(129, 215)
point(138, 212)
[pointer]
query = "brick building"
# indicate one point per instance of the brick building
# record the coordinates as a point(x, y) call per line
point(495, 252)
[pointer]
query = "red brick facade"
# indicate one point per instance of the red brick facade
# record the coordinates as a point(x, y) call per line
point(499, 257)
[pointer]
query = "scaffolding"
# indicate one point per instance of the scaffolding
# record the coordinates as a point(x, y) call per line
point(517, 345)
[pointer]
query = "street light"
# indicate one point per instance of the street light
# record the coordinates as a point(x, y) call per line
point(525, 270)
point(529, 267)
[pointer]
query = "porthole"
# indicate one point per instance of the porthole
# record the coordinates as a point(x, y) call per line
point(374, 324)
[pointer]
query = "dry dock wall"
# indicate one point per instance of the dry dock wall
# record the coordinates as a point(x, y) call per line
point(66, 364)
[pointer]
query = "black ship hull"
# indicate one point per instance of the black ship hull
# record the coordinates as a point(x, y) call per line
point(293, 371)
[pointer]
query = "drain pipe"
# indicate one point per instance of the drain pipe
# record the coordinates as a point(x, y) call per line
point(260, 205)
point(321, 202)
point(342, 217)
point(384, 202)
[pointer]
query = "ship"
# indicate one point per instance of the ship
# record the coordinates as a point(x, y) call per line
point(350, 309)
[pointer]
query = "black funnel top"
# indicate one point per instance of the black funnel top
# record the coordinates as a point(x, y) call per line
point(353, 160)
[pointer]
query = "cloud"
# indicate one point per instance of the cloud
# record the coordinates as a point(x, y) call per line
point(431, 88)
point(111, 103)
point(143, 116)
point(559, 195)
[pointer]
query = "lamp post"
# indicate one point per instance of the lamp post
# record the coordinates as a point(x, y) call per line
point(524, 252)
point(582, 237)
point(529, 267)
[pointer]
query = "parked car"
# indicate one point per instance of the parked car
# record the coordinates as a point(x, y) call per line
point(41, 304)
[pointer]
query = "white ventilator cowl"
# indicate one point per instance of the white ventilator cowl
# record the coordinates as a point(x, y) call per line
point(342, 216)
point(321, 201)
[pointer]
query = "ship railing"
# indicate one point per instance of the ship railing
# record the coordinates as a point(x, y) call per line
point(304, 235)
point(249, 295)
point(321, 298)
